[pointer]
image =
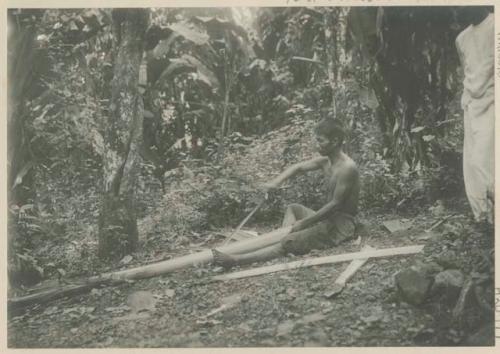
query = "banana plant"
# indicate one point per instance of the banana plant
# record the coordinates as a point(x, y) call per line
point(212, 50)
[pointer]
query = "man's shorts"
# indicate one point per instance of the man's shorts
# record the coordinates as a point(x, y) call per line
point(326, 234)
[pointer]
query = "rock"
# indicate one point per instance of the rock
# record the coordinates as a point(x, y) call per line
point(397, 225)
point(448, 283)
point(413, 285)
point(430, 268)
point(141, 300)
point(314, 317)
point(447, 259)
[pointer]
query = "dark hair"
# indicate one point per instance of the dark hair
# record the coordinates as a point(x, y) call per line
point(330, 129)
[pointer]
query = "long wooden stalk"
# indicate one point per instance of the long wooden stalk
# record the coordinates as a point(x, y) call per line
point(148, 271)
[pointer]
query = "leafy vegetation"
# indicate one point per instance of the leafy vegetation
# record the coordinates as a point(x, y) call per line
point(217, 84)
point(138, 135)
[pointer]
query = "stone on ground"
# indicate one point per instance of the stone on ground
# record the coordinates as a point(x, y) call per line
point(448, 283)
point(396, 225)
point(413, 285)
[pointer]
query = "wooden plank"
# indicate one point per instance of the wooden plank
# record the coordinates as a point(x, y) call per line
point(338, 258)
point(347, 274)
point(147, 271)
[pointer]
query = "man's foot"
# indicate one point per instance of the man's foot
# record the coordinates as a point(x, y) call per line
point(223, 260)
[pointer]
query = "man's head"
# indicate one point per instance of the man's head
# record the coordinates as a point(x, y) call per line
point(329, 135)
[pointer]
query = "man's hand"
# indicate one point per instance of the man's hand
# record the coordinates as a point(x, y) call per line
point(268, 188)
point(299, 225)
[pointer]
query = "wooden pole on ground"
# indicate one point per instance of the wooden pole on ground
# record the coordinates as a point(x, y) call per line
point(320, 260)
point(148, 271)
point(347, 274)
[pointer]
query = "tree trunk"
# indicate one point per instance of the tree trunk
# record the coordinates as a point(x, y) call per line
point(118, 234)
point(20, 172)
point(331, 64)
point(21, 50)
point(338, 61)
point(335, 23)
point(227, 90)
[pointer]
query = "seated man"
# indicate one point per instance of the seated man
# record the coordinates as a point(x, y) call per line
point(331, 224)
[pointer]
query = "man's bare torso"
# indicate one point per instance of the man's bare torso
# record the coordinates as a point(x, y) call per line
point(343, 165)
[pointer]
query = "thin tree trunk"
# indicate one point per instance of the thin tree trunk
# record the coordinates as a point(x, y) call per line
point(335, 24)
point(225, 113)
point(118, 234)
point(220, 151)
point(330, 37)
point(20, 172)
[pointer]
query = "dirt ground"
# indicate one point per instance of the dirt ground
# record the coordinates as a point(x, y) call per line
point(283, 309)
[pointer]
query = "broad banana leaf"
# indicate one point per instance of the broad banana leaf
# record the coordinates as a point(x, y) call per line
point(163, 48)
point(216, 23)
point(188, 63)
point(205, 74)
point(194, 35)
point(177, 66)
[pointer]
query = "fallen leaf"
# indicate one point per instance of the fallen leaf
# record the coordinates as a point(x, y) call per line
point(51, 310)
point(133, 317)
point(96, 292)
point(141, 301)
point(291, 293)
point(207, 322)
point(217, 310)
point(285, 328)
point(232, 300)
point(117, 309)
point(244, 327)
point(126, 260)
point(314, 317)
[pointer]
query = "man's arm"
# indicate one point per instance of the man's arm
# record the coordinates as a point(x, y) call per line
point(342, 189)
point(309, 165)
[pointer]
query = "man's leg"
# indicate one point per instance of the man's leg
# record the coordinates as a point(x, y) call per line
point(264, 254)
point(296, 212)
point(299, 242)
point(293, 213)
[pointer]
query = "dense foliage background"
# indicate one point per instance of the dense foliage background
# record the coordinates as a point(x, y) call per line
point(229, 98)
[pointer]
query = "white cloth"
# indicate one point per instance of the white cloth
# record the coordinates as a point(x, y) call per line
point(476, 50)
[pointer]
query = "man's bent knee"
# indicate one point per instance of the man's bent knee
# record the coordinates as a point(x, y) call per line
point(294, 207)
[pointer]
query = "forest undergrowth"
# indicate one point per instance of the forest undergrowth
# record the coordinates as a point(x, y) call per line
point(203, 203)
